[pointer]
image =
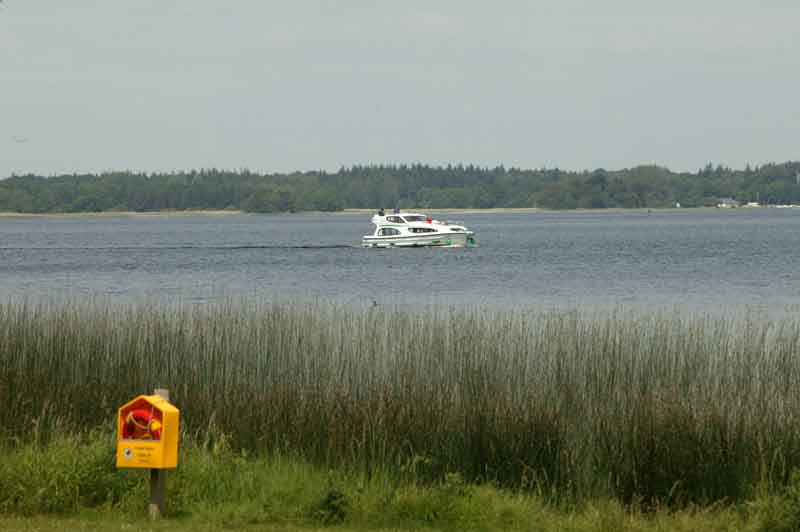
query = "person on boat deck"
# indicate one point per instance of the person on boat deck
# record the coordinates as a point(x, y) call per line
point(381, 212)
point(397, 210)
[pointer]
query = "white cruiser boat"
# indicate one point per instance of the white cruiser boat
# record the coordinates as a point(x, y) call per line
point(410, 229)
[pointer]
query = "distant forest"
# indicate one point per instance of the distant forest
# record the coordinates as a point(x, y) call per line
point(405, 186)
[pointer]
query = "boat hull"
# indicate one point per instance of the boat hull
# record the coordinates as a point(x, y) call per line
point(449, 240)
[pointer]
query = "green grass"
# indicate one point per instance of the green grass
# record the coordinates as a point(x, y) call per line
point(71, 483)
point(657, 410)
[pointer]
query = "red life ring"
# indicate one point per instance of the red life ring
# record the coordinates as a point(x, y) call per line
point(141, 424)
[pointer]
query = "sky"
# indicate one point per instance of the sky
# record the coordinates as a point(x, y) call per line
point(171, 85)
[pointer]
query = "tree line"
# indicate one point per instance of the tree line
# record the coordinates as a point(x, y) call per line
point(405, 186)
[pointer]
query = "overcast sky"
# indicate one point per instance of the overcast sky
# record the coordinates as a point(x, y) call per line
point(155, 85)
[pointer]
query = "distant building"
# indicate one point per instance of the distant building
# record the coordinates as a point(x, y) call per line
point(752, 204)
point(727, 203)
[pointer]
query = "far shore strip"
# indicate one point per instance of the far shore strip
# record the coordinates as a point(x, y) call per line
point(229, 212)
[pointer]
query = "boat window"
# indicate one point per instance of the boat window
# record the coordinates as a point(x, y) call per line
point(415, 218)
point(388, 231)
point(456, 229)
point(423, 230)
point(395, 219)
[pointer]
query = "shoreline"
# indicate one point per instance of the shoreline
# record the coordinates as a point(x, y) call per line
point(494, 210)
point(119, 214)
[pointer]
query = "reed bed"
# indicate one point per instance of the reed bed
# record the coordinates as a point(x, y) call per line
point(664, 408)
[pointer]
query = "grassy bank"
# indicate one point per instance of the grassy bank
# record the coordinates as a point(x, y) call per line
point(71, 483)
point(663, 410)
point(369, 212)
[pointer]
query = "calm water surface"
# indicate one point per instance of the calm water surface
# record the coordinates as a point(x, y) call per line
point(699, 260)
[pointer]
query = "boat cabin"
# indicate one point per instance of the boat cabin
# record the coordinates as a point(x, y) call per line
point(400, 218)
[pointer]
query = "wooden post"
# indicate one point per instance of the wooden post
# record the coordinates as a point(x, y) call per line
point(158, 478)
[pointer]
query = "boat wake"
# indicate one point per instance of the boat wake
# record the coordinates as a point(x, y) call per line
point(168, 248)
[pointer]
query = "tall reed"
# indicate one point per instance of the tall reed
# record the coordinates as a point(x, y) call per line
point(665, 407)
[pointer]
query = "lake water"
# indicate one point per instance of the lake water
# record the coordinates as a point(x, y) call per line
point(698, 260)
